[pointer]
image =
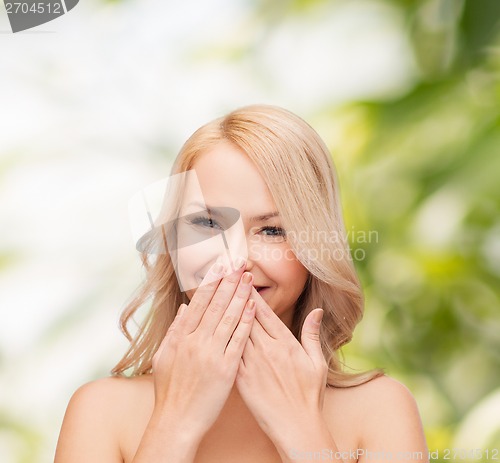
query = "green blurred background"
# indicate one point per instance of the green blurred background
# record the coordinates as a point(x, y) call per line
point(406, 94)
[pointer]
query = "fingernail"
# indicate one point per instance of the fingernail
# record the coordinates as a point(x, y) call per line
point(239, 262)
point(247, 278)
point(318, 316)
point(250, 305)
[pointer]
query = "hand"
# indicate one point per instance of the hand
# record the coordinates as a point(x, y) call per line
point(196, 364)
point(282, 381)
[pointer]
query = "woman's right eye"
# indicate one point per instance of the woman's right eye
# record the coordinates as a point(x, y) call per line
point(205, 222)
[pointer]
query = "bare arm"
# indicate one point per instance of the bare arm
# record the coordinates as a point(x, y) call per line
point(88, 432)
point(193, 370)
point(392, 425)
point(195, 367)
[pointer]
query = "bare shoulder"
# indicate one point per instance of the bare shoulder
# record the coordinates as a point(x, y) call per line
point(382, 392)
point(98, 392)
point(385, 399)
point(103, 397)
point(94, 417)
point(384, 414)
point(110, 390)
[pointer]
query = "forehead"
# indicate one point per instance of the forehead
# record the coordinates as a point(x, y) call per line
point(228, 177)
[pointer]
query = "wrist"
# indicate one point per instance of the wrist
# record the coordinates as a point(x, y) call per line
point(180, 430)
point(167, 439)
point(293, 428)
point(305, 434)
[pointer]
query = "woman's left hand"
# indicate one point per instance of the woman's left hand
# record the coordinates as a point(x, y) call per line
point(281, 380)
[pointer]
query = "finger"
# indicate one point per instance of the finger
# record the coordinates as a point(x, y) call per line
point(179, 313)
point(221, 300)
point(176, 319)
point(236, 344)
point(174, 327)
point(268, 319)
point(201, 298)
point(169, 334)
point(241, 367)
point(258, 335)
point(248, 352)
point(309, 337)
point(224, 328)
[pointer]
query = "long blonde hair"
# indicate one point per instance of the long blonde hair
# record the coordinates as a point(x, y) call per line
point(298, 170)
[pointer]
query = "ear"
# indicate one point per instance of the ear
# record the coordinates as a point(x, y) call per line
point(309, 337)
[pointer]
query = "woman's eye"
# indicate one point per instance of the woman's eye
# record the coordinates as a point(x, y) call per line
point(273, 231)
point(205, 222)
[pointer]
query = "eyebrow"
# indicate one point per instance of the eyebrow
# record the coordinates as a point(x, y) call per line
point(214, 211)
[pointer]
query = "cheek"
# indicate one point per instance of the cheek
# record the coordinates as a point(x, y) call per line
point(298, 276)
point(290, 278)
point(289, 271)
point(187, 265)
point(192, 262)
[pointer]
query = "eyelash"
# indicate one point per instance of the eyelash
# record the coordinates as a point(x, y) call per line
point(200, 219)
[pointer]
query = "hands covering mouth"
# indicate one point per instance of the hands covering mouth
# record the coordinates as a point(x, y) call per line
point(257, 287)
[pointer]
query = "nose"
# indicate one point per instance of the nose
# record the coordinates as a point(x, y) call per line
point(251, 255)
point(249, 264)
point(239, 240)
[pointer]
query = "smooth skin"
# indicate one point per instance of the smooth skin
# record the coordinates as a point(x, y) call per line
point(270, 258)
point(196, 365)
point(119, 420)
point(230, 382)
point(197, 341)
point(284, 396)
point(194, 371)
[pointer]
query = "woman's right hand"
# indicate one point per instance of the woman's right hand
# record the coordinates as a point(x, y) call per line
point(196, 364)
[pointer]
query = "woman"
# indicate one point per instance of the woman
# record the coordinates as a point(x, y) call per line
point(246, 369)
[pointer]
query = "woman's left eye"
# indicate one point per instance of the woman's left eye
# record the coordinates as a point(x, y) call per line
point(273, 231)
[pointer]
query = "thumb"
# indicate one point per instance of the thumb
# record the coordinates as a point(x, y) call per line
point(310, 334)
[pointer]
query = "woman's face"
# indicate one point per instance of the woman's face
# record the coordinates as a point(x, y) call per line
point(229, 179)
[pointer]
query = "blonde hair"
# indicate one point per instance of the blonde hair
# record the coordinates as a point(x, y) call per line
point(301, 177)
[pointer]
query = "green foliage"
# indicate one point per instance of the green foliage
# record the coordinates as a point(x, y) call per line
point(425, 177)
point(420, 171)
